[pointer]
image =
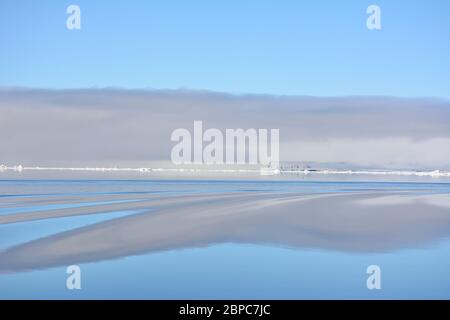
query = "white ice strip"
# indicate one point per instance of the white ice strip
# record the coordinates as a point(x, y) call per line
point(20, 168)
point(261, 171)
point(434, 173)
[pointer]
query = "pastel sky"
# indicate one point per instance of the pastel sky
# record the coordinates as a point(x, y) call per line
point(319, 48)
point(111, 93)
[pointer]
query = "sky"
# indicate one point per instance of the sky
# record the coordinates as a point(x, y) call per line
point(111, 93)
point(316, 48)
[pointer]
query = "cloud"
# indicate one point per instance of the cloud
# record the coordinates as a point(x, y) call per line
point(132, 127)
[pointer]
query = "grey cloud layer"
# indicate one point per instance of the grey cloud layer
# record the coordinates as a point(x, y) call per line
point(127, 127)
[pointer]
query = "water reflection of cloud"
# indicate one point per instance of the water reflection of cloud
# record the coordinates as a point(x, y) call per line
point(361, 222)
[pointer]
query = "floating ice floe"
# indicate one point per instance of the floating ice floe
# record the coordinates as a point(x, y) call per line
point(264, 171)
point(434, 174)
point(267, 171)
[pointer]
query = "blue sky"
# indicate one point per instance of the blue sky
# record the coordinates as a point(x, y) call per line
point(295, 47)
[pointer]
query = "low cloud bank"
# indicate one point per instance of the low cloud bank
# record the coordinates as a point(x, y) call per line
point(115, 127)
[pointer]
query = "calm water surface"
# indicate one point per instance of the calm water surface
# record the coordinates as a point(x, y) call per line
point(184, 239)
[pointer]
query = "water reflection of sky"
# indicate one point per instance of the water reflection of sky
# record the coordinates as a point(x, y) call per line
point(16, 233)
point(232, 256)
point(245, 272)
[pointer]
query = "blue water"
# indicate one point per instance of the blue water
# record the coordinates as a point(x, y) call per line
point(220, 268)
point(245, 272)
point(16, 233)
point(57, 206)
